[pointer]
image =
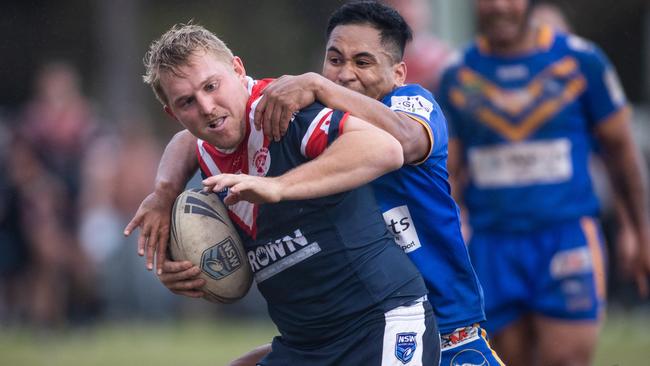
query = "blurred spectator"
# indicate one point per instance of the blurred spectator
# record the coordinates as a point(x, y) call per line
point(13, 249)
point(58, 273)
point(59, 123)
point(118, 171)
point(55, 128)
point(427, 55)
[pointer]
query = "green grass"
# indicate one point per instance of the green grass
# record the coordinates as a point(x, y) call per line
point(625, 341)
point(209, 342)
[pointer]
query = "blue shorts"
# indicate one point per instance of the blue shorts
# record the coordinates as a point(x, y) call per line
point(558, 272)
point(468, 346)
point(406, 335)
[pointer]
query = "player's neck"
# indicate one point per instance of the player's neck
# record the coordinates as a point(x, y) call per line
point(523, 44)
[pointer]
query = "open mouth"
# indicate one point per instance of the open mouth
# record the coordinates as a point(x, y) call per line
point(217, 123)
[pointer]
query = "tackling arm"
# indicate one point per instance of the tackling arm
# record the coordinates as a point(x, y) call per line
point(290, 93)
point(361, 154)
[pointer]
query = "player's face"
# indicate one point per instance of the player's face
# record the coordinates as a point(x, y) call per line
point(208, 96)
point(502, 22)
point(356, 59)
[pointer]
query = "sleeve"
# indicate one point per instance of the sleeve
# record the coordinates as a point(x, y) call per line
point(315, 128)
point(604, 94)
point(419, 105)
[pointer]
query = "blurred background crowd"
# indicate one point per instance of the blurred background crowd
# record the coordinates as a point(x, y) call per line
point(81, 135)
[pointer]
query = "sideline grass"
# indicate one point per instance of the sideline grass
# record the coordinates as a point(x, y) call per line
point(625, 341)
point(210, 342)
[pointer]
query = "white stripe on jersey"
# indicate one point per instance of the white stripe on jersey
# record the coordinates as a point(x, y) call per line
point(310, 131)
point(404, 319)
point(206, 158)
point(255, 139)
point(243, 210)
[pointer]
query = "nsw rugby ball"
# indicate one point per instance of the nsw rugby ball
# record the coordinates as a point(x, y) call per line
point(202, 233)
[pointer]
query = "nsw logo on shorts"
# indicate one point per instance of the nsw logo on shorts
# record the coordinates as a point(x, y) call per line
point(405, 346)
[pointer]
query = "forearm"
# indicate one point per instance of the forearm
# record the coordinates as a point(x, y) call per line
point(410, 134)
point(626, 168)
point(629, 178)
point(177, 165)
point(354, 158)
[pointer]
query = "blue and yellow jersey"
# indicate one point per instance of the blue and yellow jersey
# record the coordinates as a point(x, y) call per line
point(423, 217)
point(526, 126)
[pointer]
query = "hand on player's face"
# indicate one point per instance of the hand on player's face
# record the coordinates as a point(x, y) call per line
point(182, 278)
point(281, 99)
point(243, 187)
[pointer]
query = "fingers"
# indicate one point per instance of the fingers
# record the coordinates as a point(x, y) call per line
point(259, 112)
point(182, 278)
point(134, 223)
point(151, 249)
point(267, 120)
point(142, 240)
point(276, 120)
point(176, 266)
point(161, 254)
point(220, 182)
point(285, 119)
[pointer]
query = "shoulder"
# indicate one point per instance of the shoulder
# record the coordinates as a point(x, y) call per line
point(584, 50)
point(412, 99)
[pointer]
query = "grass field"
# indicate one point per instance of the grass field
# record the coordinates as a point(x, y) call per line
point(625, 342)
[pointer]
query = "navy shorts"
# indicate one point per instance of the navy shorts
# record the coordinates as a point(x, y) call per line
point(406, 335)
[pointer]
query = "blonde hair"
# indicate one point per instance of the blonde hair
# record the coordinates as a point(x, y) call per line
point(173, 49)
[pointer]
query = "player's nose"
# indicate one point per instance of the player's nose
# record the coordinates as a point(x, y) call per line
point(346, 74)
point(205, 103)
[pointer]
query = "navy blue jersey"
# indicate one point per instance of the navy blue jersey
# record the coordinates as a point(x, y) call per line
point(321, 264)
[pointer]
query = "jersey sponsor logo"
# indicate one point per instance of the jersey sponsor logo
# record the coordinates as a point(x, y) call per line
point(416, 104)
point(405, 345)
point(513, 72)
point(275, 256)
point(400, 223)
point(571, 262)
point(459, 337)
point(262, 161)
point(221, 259)
point(521, 164)
point(469, 357)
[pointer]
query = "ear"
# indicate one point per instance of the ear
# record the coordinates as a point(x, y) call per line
point(170, 112)
point(238, 66)
point(399, 71)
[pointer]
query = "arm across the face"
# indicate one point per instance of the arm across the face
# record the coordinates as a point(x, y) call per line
point(290, 93)
point(346, 153)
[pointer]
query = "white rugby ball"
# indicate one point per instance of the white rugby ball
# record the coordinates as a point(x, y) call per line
point(202, 233)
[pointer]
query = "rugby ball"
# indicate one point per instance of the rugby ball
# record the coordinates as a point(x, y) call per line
point(202, 233)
